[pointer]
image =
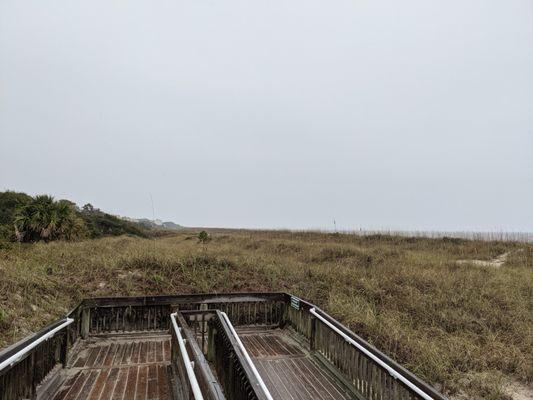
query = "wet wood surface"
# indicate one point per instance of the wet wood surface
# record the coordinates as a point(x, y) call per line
point(121, 368)
point(287, 369)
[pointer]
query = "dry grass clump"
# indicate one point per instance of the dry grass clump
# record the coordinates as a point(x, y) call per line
point(464, 328)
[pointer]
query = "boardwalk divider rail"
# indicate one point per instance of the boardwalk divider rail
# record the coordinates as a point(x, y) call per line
point(233, 365)
point(222, 347)
point(180, 358)
point(190, 365)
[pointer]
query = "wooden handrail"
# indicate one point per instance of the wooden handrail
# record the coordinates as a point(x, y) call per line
point(8, 360)
point(25, 365)
point(234, 371)
point(376, 354)
point(393, 372)
point(247, 357)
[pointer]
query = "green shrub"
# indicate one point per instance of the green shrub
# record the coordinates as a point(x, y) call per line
point(203, 237)
point(100, 224)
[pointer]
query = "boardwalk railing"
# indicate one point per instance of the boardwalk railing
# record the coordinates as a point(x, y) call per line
point(368, 372)
point(235, 369)
point(222, 347)
point(24, 365)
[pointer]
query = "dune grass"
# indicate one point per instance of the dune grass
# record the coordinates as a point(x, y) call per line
point(465, 328)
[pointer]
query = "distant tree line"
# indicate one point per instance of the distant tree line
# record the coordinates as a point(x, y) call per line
point(25, 218)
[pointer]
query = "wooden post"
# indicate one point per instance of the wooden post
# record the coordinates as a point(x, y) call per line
point(85, 322)
point(173, 348)
point(312, 333)
point(64, 349)
point(33, 393)
point(283, 317)
point(203, 324)
point(211, 343)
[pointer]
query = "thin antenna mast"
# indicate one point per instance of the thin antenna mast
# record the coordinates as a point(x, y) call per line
point(153, 214)
point(153, 209)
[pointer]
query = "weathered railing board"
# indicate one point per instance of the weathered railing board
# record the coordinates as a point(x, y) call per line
point(181, 299)
point(300, 321)
point(152, 313)
point(129, 318)
point(254, 313)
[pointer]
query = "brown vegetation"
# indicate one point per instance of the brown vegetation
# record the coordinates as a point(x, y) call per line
point(466, 328)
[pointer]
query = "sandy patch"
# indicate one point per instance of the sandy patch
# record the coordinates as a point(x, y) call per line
point(519, 391)
point(494, 263)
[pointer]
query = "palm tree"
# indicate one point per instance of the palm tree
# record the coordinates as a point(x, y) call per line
point(45, 219)
point(69, 225)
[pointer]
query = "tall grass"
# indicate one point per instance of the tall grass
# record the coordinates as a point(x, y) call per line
point(490, 236)
point(464, 328)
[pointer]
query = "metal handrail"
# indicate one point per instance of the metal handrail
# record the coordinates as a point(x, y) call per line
point(395, 374)
point(19, 354)
point(247, 356)
point(197, 393)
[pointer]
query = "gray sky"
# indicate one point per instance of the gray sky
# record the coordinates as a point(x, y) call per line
point(380, 114)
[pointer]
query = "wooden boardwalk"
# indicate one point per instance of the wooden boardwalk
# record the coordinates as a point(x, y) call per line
point(287, 369)
point(189, 346)
point(120, 368)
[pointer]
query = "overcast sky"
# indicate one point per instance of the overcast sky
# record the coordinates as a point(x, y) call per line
point(412, 114)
